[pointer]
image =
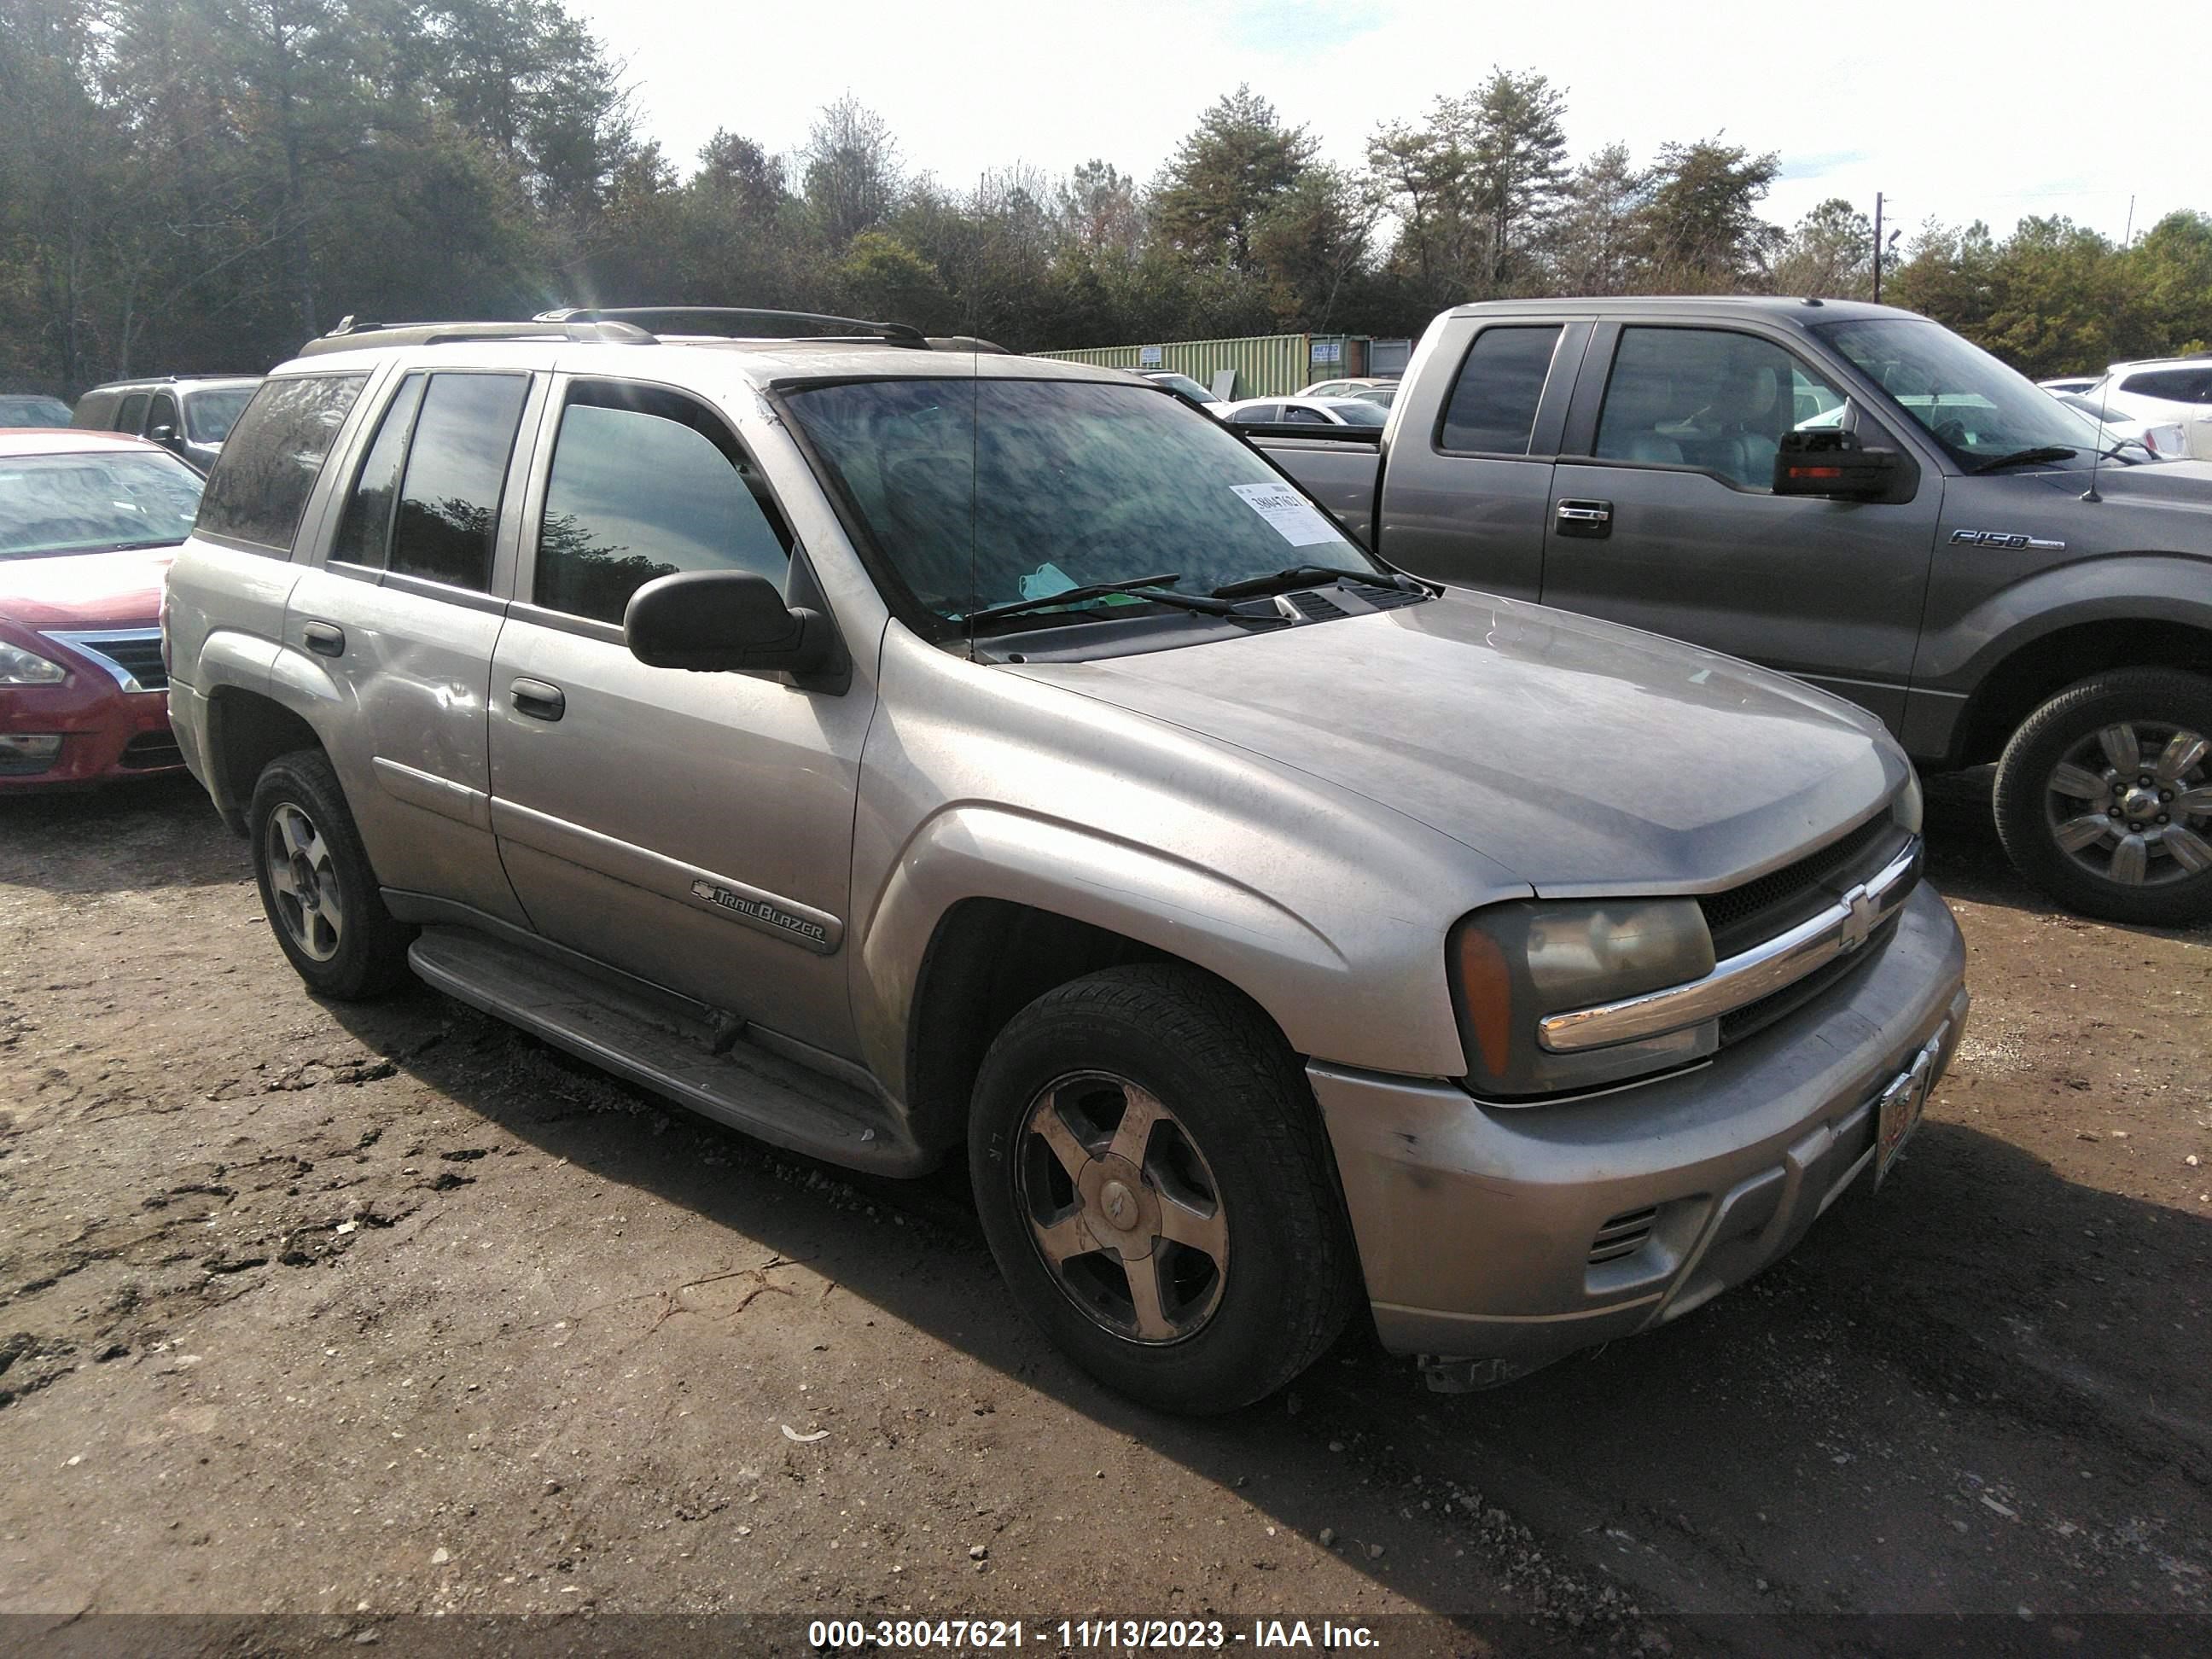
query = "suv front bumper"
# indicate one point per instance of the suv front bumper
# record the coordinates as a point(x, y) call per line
point(1512, 1235)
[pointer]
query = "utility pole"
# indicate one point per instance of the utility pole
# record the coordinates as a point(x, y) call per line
point(1877, 247)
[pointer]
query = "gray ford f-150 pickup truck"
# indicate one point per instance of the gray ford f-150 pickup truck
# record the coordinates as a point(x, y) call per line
point(1856, 496)
point(905, 755)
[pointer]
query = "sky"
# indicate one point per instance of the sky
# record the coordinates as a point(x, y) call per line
point(1954, 110)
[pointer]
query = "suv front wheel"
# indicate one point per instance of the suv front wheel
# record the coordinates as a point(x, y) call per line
point(316, 885)
point(2104, 797)
point(1151, 1171)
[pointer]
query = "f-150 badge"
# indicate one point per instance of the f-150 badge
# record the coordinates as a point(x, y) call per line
point(2004, 538)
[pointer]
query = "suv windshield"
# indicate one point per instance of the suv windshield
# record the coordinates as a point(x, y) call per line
point(92, 503)
point(1968, 401)
point(210, 416)
point(982, 492)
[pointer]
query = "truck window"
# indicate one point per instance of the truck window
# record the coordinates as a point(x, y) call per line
point(260, 485)
point(645, 484)
point(1492, 410)
point(456, 468)
point(1711, 398)
point(132, 420)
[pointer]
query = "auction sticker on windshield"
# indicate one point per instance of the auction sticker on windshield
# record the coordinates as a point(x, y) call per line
point(1291, 513)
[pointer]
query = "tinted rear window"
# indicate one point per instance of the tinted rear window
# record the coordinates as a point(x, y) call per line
point(2181, 386)
point(456, 469)
point(1493, 406)
point(260, 485)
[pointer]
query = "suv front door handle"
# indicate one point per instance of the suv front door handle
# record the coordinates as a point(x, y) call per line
point(323, 639)
point(1579, 518)
point(539, 699)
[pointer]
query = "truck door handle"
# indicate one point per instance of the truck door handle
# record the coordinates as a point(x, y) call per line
point(323, 639)
point(1576, 517)
point(538, 699)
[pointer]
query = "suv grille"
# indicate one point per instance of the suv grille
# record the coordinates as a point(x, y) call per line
point(1777, 901)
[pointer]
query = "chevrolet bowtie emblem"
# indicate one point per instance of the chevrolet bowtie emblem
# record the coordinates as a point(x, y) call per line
point(1858, 924)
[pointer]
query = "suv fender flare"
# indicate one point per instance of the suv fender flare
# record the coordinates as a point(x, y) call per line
point(232, 661)
point(1390, 1008)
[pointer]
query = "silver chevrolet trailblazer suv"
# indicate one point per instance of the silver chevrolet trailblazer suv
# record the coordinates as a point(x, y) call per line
point(899, 750)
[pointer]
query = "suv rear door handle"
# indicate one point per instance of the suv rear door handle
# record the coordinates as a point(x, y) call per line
point(323, 639)
point(539, 699)
point(1590, 518)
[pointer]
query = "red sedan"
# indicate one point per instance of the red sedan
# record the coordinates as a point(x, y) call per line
point(89, 523)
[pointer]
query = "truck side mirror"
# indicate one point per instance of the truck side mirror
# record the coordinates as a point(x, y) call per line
point(1837, 465)
point(164, 434)
point(725, 622)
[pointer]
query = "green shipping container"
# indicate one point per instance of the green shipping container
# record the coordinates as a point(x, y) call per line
point(1266, 365)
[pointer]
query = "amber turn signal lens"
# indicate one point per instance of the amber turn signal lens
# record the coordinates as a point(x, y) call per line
point(1486, 983)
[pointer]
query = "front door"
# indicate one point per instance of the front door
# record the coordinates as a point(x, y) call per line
point(402, 615)
point(693, 829)
point(1667, 520)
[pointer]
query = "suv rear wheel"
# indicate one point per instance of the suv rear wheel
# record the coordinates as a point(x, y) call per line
point(320, 895)
point(2104, 797)
point(1151, 1173)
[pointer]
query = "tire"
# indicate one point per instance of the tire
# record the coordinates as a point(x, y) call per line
point(2086, 828)
point(322, 902)
point(1274, 1276)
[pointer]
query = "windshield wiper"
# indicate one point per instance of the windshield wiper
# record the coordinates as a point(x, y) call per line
point(1149, 587)
point(2026, 457)
point(1299, 575)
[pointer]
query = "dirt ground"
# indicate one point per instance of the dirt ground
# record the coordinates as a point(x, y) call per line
point(367, 1312)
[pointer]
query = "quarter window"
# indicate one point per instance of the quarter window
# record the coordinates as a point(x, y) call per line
point(1492, 410)
point(1709, 398)
point(448, 510)
point(268, 468)
point(645, 484)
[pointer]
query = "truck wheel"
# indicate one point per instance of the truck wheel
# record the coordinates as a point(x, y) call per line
point(1151, 1173)
point(2104, 797)
point(320, 895)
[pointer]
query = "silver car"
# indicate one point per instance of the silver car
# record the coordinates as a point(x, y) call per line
point(904, 755)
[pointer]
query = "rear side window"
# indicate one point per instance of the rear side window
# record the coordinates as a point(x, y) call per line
point(268, 468)
point(456, 468)
point(2180, 385)
point(646, 483)
point(365, 534)
point(1492, 410)
point(133, 417)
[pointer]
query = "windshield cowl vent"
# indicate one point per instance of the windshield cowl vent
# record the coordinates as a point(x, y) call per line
point(1315, 607)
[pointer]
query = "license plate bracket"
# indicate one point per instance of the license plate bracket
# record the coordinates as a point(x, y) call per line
point(1901, 1105)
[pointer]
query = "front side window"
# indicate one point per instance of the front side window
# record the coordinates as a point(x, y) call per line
point(979, 492)
point(646, 483)
point(1983, 413)
point(1709, 398)
point(163, 414)
point(1299, 415)
point(1492, 410)
point(260, 485)
point(94, 502)
point(448, 511)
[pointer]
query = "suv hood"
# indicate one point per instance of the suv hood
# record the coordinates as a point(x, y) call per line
point(1586, 758)
point(85, 590)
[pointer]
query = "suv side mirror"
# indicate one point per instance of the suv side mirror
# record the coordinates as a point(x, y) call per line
point(1835, 465)
point(725, 622)
point(164, 434)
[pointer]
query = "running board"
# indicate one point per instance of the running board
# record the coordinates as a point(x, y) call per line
point(663, 1045)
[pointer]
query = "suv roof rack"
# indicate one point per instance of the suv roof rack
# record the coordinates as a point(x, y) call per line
point(355, 335)
point(724, 321)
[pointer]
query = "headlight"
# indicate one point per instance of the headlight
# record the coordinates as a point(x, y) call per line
point(21, 667)
point(1907, 808)
point(1512, 964)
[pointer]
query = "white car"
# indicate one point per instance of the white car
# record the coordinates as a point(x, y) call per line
point(1305, 411)
point(2165, 439)
point(1350, 388)
point(2069, 383)
point(2159, 389)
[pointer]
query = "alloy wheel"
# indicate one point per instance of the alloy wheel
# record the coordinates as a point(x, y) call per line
point(1122, 1208)
point(304, 883)
point(2131, 803)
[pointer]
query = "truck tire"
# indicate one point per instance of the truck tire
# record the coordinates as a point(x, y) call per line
point(2104, 797)
point(1151, 1171)
point(317, 888)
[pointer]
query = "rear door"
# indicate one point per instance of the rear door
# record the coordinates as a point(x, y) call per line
point(693, 829)
point(1664, 515)
point(402, 614)
point(1467, 474)
point(132, 418)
